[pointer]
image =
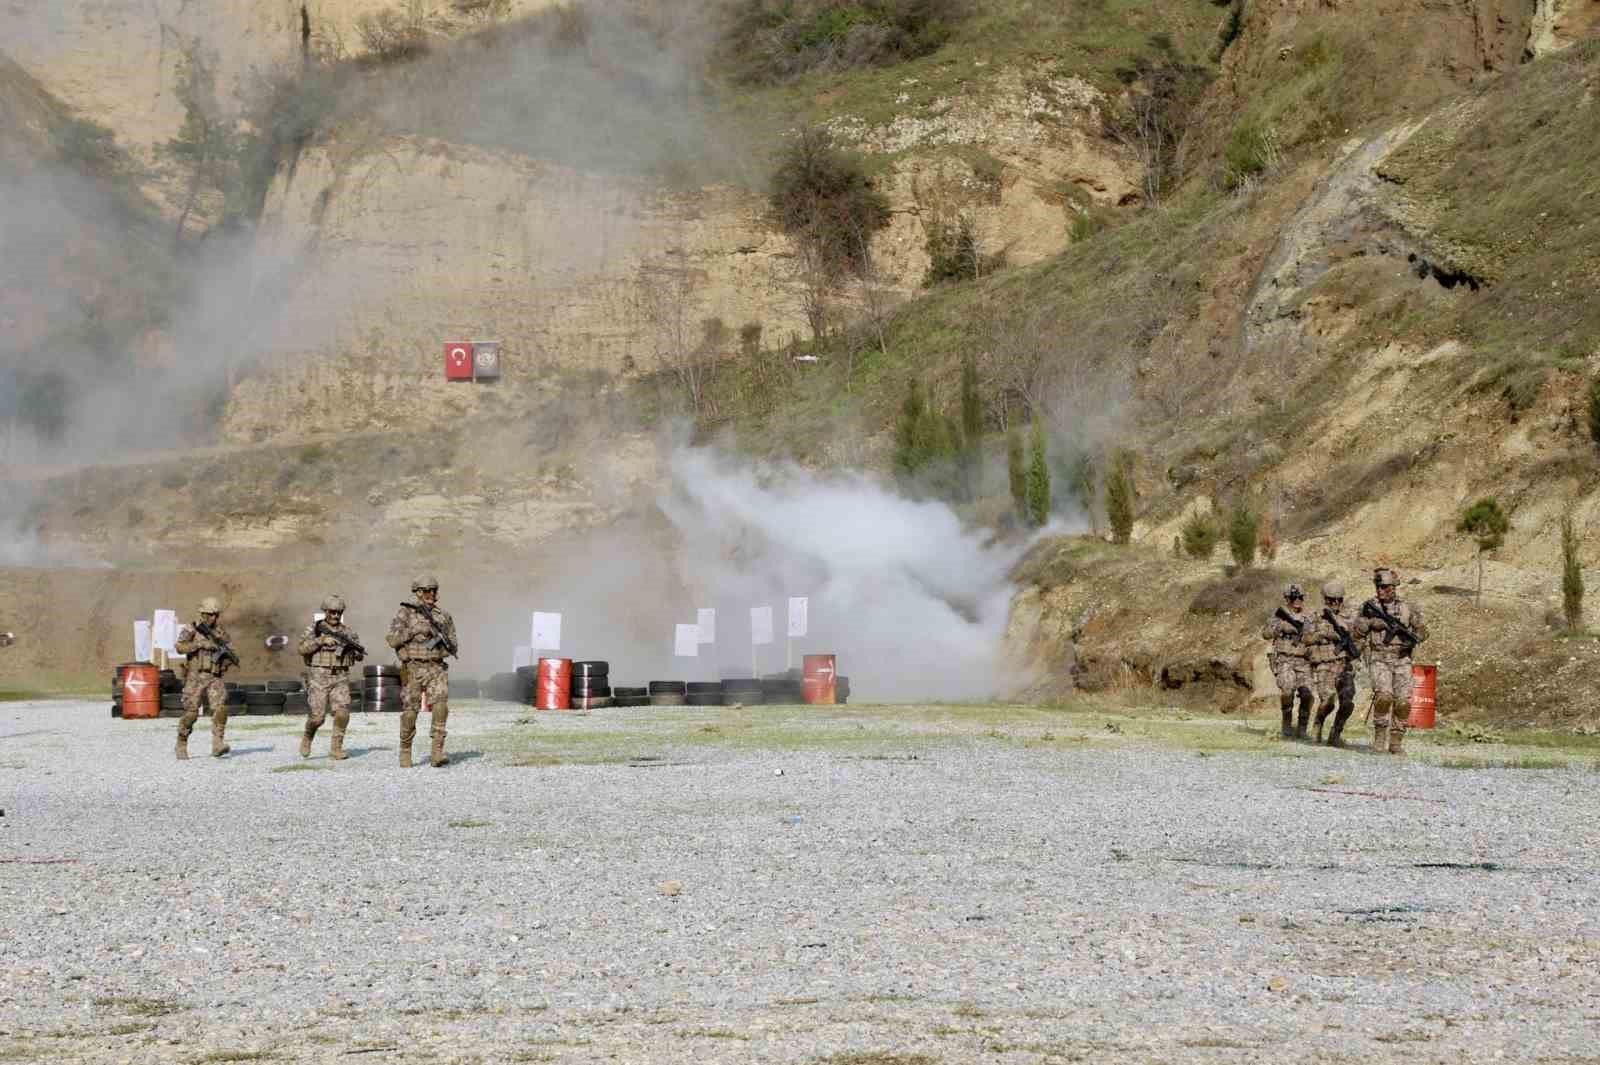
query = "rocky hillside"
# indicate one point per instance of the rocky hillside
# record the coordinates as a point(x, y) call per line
point(1351, 287)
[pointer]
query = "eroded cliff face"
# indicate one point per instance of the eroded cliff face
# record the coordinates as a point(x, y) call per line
point(1559, 24)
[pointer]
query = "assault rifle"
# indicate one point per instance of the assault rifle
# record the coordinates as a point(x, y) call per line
point(1284, 615)
point(224, 652)
point(1393, 626)
point(1346, 644)
point(439, 638)
point(324, 629)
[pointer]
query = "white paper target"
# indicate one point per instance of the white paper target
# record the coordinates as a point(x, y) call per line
point(797, 616)
point(142, 645)
point(164, 630)
point(706, 619)
point(546, 632)
point(760, 625)
point(687, 641)
point(521, 656)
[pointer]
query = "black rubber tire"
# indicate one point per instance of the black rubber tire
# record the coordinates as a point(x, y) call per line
point(386, 706)
point(170, 682)
point(526, 672)
point(713, 686)
point(705, 699)
point(237, 698)
point(116, 709)
point(750, 698)
point(629, 693)
point(747, 684)
point(383, 688)
point(380, 671)
point(169, 701)
point(590, 669)
point(285, 686)
point(601, 690)
point(630, 700)
point(466, 690)
point(667, 699)
point(599, 702)
point(296, 703)
point(252, 688)
point(668, 687)
point(263, 698)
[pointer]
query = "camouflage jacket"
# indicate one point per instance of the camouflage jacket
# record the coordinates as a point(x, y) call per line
point(1374, 635)
point(201, 651)
point(324, 652)
point(409, 632)
point(1285, 640)
point(1323, 642)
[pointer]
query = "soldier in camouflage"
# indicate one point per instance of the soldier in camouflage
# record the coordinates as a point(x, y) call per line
point(1388, 648)
point(1288, 660)
point(1332, 668)
point(329, 649)
point(203, 679)
point(421, 635)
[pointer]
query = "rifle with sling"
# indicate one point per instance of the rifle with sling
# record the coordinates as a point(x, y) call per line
point(324, 629)
point(439, 638)
point(1284, 615)
point(224, 652)
point(1346, 643)
point(1393, 626)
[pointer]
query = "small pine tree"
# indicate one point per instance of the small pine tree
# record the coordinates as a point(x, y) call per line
point(1571, 575)
point(1244, 529)
point(971, 426)
point(1594, 409)
point(1200, 533)
point(1081, 483)
point(908, 432)
point(1038, 480)
point(1488, 525)
point(1119, 501)
point(1017, 471)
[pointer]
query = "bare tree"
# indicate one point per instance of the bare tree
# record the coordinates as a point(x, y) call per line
point(686, 347)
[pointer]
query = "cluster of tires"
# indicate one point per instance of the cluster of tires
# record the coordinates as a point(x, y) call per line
point(591, 689)
point(378, 690)
point(246, 697)
point(591, 686)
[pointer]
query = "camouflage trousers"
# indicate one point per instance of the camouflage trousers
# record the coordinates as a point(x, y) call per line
point(207, 686)
point(1291, 672)
point(1391, 677)
point(1330, 679)
point(327, 690)
point(424, 678)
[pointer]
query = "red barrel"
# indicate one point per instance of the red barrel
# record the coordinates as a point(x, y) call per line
point(817, 686)
point(552, 688)
point(1424, 685)
point(141, 691)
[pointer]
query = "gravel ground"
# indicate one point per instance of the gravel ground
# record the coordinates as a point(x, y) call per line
point(945, 895)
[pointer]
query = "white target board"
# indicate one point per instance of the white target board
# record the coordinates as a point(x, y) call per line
point(164, 630)
point(686, 643)
point(546, 631)
point(521, 656)
point(706, 619)
point(797, 616)
point(142, 645)
point(760, 625)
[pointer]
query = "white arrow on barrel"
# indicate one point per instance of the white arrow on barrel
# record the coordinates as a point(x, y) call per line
point(136, 685)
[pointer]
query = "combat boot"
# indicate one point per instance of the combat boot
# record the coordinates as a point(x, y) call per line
point(1304, 718)
point(405, 754)
point(1323, 710)
point(1380, 724)
point(1397, 738)
point(219, 747)
point(337, 753)
point(309, 734)
point(1286, 709)
point(437, 757)
point(183, 747)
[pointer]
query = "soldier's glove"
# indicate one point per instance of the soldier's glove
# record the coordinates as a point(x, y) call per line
point(329, 642)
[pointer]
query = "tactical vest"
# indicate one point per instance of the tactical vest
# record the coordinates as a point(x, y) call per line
point(204, 659)
point(1330, 649)
point(1288, 645)
point(1396, 647)
point(329, 657)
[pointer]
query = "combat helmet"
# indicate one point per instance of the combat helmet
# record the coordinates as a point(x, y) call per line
point(1333, 590)
point(210, 605)
point(1294, 591)
point(333, 604)
point(425, 582)
point(1383, 577)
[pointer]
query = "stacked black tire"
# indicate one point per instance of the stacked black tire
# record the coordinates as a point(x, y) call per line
point(380, 690)
point(668, 693)
point(704, 693)
point(782, 688)
point(509, 687)
point(464, 688)
point(742, 691)
point(630, 696)
point(591, 685)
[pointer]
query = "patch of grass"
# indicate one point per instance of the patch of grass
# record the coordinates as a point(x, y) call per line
point(711, 1033)
point(1254, 590)
point(130, 1028)
point(1518, 762)
point(471, 824)
point(138, 1005)
point(236, 1055)
point(299, 767)
point(878, 1057)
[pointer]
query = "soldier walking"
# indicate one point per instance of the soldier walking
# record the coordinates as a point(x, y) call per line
point(330, 648)
point(422, 635)
point(205, 645)
point(1332, 643)
point(1390, 629)
point(1288, 660)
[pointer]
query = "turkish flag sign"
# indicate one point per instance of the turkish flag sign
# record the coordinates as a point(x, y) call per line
point(458, 361)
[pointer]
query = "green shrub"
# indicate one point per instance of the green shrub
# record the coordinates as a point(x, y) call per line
point(1038, 480)
point(1119, 501)
point(766, 42)
point(1594, 410)
point(1488, 524)
point(1244, 527)
point(1571, 575)
point(823, 199)
point(392, 35)
point(1251, 151)
point(954, 253)
point(1200, 533)
point(1017, 470)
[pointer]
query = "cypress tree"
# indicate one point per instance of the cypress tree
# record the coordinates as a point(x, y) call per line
point(1038, 479)
point(1017, 471)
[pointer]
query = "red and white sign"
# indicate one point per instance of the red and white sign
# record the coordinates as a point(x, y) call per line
point(458, 361)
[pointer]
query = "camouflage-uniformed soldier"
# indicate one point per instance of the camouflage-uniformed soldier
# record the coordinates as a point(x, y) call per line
point(1388, 650)
point(421, 635)
point(1288, 660)
point(1332, 669)
point(330, 648)
point(207, 662)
